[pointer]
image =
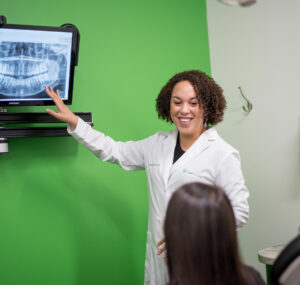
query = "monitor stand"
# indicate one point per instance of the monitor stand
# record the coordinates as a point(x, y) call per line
point(34, 118)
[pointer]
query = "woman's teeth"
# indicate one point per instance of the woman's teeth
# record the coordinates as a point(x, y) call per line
point(185, 120)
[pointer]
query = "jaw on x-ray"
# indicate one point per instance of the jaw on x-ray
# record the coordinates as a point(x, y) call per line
point(27, 67)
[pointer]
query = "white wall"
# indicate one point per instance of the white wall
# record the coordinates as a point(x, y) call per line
point(258, 48)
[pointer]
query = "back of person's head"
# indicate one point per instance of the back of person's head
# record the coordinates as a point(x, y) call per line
point(201, 238)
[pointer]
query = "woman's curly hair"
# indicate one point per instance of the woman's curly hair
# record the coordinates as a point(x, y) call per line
point(209, 94)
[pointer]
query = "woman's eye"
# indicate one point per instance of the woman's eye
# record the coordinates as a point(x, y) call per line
point(177, 103)
point(194, 104)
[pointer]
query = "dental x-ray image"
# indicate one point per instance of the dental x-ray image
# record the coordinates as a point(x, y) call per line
point(26, 68)
point(30, 64)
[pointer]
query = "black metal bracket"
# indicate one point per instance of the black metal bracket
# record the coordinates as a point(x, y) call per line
point(76, 40)
point(2, 20)
point(33, 118)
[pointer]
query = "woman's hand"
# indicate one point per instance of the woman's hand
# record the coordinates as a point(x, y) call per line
point(63, 112)
point(163, 247)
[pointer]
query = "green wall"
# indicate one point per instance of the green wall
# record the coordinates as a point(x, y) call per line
point(66, 217)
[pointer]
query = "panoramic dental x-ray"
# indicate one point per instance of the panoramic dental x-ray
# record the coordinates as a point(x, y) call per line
point(37, 59)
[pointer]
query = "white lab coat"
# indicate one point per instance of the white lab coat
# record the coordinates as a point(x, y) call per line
point(209, 160)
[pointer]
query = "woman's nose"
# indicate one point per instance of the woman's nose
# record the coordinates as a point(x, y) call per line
point(184, 109)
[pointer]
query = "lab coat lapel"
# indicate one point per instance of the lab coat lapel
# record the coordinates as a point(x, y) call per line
point(198, 146)
point(169, 147)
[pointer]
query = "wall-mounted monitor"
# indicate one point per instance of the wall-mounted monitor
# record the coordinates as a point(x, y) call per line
point(32, 57)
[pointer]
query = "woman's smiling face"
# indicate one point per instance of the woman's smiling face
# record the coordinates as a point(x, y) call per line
point(185, 110)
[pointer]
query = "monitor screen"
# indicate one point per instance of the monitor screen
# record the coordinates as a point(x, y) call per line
point(31, 58)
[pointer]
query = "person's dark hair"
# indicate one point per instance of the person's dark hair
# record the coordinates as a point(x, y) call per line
point(209, 94)
point(201, 238)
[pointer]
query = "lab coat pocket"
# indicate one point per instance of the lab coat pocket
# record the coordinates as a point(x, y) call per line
point(154, 172)
point(148, 261)
point(154, 167)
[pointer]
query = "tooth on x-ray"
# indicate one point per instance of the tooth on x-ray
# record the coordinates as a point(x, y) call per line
point(26, 68)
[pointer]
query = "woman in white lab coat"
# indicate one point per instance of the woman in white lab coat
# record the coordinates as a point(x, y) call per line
point(193, 152)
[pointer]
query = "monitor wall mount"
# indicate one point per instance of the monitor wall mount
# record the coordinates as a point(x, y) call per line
point(8, 132)
point(6, 118)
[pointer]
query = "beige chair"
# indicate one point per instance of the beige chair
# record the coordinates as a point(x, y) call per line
point(286, 268)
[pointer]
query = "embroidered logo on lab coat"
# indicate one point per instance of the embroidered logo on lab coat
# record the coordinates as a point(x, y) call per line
point(189, 172)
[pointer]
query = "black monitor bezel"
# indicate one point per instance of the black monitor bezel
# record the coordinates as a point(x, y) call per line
point(74, 55)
